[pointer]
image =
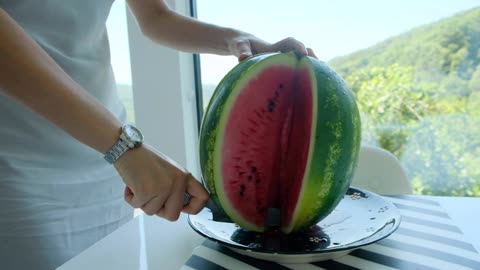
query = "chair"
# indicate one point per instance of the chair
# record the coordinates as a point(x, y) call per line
point(380, 171)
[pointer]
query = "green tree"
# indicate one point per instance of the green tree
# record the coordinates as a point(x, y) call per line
point(474, 83)
point(420, 92)
point(423, 124)
point(393, 101)
point(442, 156)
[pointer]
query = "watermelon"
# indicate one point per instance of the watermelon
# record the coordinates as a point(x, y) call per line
point(280, 131)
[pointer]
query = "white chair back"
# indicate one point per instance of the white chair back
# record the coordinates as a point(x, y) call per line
point(380, 171)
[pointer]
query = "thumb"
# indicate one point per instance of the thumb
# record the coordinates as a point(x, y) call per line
point(243, 50)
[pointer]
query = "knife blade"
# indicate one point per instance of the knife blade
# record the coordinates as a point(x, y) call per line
point(217, 213)
point(272, 221)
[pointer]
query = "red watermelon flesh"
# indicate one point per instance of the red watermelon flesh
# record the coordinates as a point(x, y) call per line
point(266, 143)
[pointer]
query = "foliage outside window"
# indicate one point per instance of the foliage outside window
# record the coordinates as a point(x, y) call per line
point(420, 94)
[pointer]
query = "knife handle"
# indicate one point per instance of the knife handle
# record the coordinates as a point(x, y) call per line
point(186, 199)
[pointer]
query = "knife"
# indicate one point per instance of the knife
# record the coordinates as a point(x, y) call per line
point(272, 221)
point(217, 213)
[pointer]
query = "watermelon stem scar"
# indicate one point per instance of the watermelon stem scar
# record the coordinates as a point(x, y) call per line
point(280, 132)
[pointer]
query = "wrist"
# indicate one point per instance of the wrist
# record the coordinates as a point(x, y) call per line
point(232, 36)
point(130, 137)
point(121, 164)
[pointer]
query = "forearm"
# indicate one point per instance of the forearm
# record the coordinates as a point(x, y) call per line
point(30, 76)
point(166, 27)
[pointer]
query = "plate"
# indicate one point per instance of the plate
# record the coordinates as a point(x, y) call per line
point(361, 218)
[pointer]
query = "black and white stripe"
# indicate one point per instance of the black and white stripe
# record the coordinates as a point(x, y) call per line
point(426, 239)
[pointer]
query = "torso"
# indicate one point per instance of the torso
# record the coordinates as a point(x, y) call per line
point(73, 33)
point(58, 195)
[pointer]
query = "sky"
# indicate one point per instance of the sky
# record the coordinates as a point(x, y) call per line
point(330, 28)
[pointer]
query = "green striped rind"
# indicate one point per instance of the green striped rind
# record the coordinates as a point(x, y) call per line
point(214, 123)
point(334, 143)
point(334, 147)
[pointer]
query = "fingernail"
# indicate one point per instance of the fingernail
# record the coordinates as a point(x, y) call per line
point(243, 56)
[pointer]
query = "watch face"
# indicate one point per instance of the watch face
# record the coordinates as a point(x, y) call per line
point(133, 134)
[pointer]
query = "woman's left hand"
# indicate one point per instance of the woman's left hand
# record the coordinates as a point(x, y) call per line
point(247, 45)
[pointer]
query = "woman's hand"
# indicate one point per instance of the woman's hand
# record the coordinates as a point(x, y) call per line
point(247, 45)
point(157, 185)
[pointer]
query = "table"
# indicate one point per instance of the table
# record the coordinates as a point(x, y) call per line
point(153, 243)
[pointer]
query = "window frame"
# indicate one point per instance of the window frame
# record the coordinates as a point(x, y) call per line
point(197, 71)
point(164, 86)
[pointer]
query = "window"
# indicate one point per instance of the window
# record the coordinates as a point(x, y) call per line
point(120, 55)
point(413, 66)
point(162, 84)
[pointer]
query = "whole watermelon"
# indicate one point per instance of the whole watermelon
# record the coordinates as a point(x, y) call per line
point(280, 131)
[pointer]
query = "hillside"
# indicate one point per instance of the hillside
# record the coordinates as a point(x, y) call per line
point(419, 95)
point(446, 51)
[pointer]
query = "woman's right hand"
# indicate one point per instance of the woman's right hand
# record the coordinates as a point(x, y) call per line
point(154, 182)
point(157, 185)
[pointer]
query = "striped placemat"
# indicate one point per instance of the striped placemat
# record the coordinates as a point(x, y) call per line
point(426, 239)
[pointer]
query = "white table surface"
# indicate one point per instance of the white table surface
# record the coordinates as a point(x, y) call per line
point(153, 243)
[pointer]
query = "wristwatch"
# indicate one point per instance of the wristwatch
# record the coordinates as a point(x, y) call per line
point(130, 137)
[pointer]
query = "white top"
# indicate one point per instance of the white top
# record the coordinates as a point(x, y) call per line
point(73, 33)
point(58, 195)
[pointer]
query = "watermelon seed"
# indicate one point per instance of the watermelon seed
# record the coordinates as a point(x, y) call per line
point(250, 177)
point(281, 85)
point(257, 181)
point(271, 105)
point(253, 122)
point(241, 173)
point(254, 169)
point(259, 114)
point(277, 94)
point(244, 133)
